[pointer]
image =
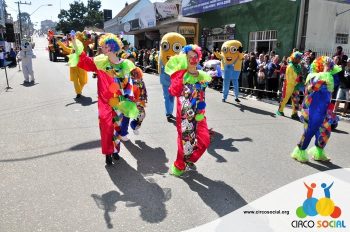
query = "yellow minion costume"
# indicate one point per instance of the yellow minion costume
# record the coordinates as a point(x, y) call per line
point(171, 45)
point(231, 63)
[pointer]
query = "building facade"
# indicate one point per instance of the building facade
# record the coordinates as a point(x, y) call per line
point(129, 12)
point(143, 23)
point(261, 26)
point(158, 19)
point(280, 25)
point(324, 26)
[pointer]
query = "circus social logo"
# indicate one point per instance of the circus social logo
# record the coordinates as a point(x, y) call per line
point(323, 206)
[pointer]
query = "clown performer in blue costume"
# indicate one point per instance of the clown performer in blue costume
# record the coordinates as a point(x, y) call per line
point(319, 86)
point(171, 45)
point(231, 57)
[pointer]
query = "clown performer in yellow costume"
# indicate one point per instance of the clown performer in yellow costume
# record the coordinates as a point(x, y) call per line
point(77, 75)
point(231, 57)
point(291, 85)
point(171, 45)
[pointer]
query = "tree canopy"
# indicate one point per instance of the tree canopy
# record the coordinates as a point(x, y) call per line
point(79, 16)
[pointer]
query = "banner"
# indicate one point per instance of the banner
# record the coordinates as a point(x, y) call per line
point(165, 10)
point(147, 17)
point(187, 30)
point(318, 202)
point(191, 7)
point(128, 26)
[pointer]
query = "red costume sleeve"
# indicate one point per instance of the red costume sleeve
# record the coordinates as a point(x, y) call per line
point(176, 83)
point(86, 63)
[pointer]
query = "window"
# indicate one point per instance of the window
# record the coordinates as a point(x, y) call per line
point(263, 41)
point(342, 38)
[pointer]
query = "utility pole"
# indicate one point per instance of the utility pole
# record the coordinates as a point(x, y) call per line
point(20, 18)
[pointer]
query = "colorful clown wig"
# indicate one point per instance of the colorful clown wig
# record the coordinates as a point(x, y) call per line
point(295, 55)
point(193, 47)
point(137, 73)
point(318, 64)
point(112, 41)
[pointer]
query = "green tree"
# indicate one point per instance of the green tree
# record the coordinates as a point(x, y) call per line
point(72, 19)
point(27, 25)
point(79, 16)
point(94, 16)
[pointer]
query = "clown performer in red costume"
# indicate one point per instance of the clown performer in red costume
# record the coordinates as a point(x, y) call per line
point(188, 85)
point(114, 88)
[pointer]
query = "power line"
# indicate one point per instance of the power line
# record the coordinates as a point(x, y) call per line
point(20, 17)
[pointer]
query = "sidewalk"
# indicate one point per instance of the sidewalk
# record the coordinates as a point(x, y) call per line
point(276, 103)
point(12, 73)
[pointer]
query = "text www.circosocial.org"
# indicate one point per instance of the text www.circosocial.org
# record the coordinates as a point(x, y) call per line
point(285, 212)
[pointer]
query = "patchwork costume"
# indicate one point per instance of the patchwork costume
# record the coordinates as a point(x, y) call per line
point(140, 97)
point(291, 85)
point(193, 134)
point(115, 92)
point(171, 44)
point(231, 63)
point(316, 110)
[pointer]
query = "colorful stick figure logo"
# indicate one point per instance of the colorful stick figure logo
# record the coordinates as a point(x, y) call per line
point(324, 206)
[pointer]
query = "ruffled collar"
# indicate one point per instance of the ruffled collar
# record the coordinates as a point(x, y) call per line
point(326, 77)
point(296, 68)
point(202, 78)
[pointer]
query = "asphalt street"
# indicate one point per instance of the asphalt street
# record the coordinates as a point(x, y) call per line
point(53, 176)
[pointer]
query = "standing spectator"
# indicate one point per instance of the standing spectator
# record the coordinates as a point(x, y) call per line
point(283, 67)
point(340, 54)
point(312, 57)
point(140, 58)
point(252, 70)
point(245, 72)
point(260, 60)
point(273, 69)
point(2, 57)
point(12, 57)
point(344, 87)
point(261, 81)
point(337, 76)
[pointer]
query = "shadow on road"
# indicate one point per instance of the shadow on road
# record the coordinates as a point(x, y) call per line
point(29, 84)
point(243, 108)
point(226, 144)
point(136, 191)
point(86, 146)
point(323, 166)
point(219, 196)
point(340, 131)
point(107, 203)
point(82, 146)
point(84, 101)
point(149, 160)
point(32, 157)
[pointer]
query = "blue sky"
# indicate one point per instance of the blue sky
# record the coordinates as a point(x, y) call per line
point(51, 12)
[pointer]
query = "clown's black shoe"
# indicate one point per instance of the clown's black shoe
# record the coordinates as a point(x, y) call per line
point(295, 117)
point(109, 160)
point(116, 156)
